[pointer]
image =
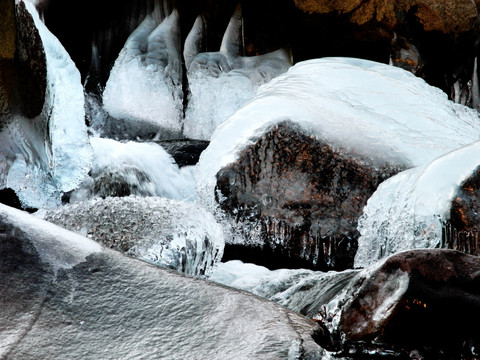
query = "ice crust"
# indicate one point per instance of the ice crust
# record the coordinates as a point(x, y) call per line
point(299, 290)
point(174, 234)
point(145, 84)
point(407, 210)
point(374, 110)
point(50, 154)
point(145, 168)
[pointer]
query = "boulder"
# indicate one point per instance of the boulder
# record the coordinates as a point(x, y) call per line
point(420, 301)
point(64, 296)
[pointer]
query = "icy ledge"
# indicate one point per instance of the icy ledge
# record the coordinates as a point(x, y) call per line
point(377, 111)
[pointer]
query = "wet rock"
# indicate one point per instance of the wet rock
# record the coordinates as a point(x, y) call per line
point(63, 296)
point(298, 198)
point(425, 301)
point(186, 152)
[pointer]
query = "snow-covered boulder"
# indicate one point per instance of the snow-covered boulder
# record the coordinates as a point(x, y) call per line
point(294, 167)
point(174, 234)
point(65, 297)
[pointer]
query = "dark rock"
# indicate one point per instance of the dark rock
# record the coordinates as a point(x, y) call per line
point(461, 232)
point(23, 70)
point(185, 151)
point(63, 296)
point(298, 197)
point(8, 197)
point(426, 301)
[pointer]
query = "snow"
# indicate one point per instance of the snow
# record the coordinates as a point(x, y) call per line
point(49, 162)
point(146, 168)
point(377, 111)
point(144, 87)
point(407, 210)
point(174, 234)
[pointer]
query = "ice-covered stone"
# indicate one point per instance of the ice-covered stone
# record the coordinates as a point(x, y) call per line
point(112, 306)
point(409, 210)
point(133, 168)
point(173, 234)
point(144, 89)
point(324, 134)
point(221, 82)
point(49, 154)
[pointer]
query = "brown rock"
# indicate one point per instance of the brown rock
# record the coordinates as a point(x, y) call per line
point(425, 300)
point(299, 197)
point(445, 15)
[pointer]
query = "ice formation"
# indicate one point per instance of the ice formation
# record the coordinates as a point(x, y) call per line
point(50, 154)
point(378, 111)
point(145, 84)
point(300, 290)
point(407, 210)
point(133, 168)
point(221, 82)
point(173, 234)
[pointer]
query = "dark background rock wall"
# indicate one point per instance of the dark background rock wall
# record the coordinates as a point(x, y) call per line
point(444, 32)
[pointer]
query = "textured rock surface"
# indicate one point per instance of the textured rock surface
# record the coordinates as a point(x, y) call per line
point(298, 197)
point(22, 64)
point(64, 297)
point(445, 15)
point(420, 300)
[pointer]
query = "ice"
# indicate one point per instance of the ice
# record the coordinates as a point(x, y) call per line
point(407, 210)
point(144, 169)
point(378, 111)
point(299, 290)
point(174, 234)
point(145, 85)
point(50, 154)
point(221, 82)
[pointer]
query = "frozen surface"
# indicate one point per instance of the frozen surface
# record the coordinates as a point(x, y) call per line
point(173, 234)
point(299, 290)
point(221, 82)
point(144, 88)
point(378, 111)
point(113, 307)
point(143, 169)
point(50, 154)
point(407, 210)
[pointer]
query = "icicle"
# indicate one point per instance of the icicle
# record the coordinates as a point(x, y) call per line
point(194, 43)
point(232, 39)
point(475, 87)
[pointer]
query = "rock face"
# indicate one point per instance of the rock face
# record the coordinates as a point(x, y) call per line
point(63, 296)
point(298, 197)
point(22, 61)
point(421, 300)
point(461, 231)
point(445, 16)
